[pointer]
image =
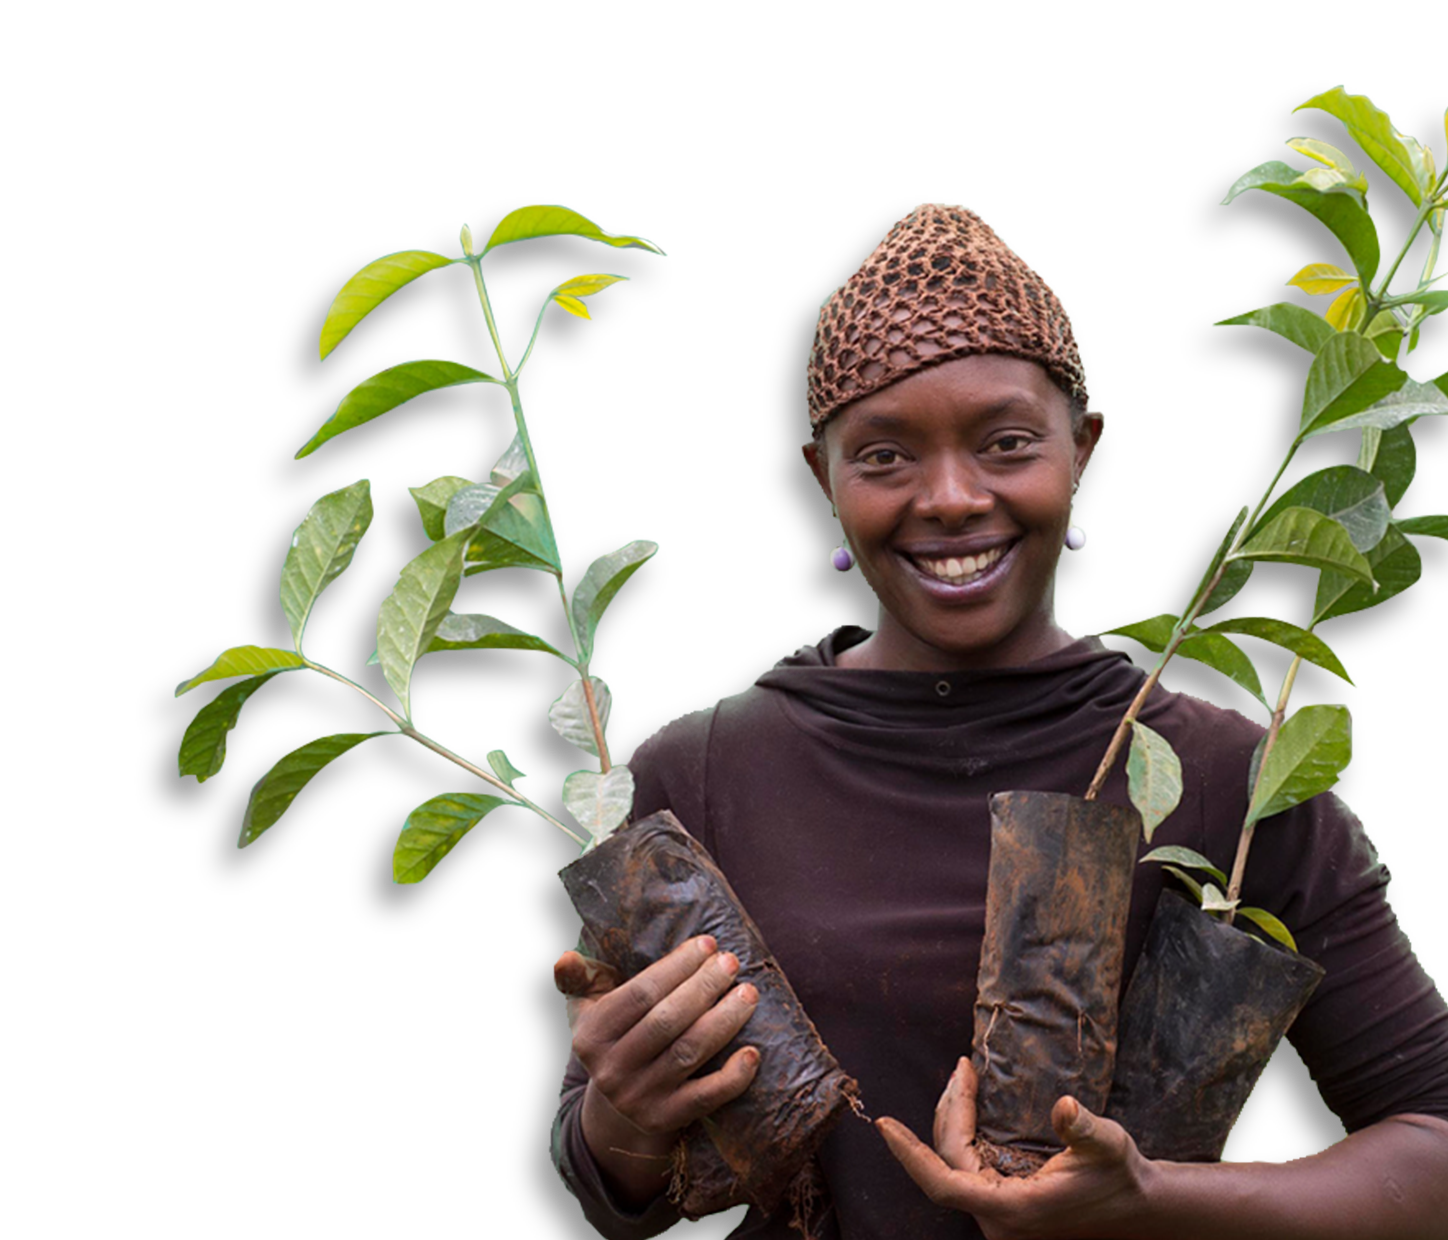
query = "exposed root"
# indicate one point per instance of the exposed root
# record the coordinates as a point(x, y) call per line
point(804, 1199)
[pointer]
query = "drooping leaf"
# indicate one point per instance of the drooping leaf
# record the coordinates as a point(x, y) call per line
point(488, 551)
point(277, 789)
point(502, 768)
point(1153, 777)
point(1224, 656)
point(1179, 855)
point(1215, 563)
point(1339, 206)
point(410, 615)
point(321, 550)
point(570, 717)
point(604, 579)
point(514, 530)
point(568, 295)
point(1390, 456)
point(545, 221)
point(1434, 527)
point(1186, 880)
point(475, 632)
point(512, 465)
point(384, 391)
point(244, 661)
point(1271, 924)
point(1345, 493)
point(203, 748)
point(1322, 278)
point(1295, 323)
point(1312, 750)
point(1289, 637)
point(1154, 634)
point(1234, 577)
point(1411, 400)
point(370, 287)
point(433, 829)
point(1435, 300)
point(1347, 376)
point(1400, 156)
point(600, 802)
point(1396, 565)
point(432, 501)
point(1301, 536)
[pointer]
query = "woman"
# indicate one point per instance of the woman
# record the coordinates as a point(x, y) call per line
point(845, 797)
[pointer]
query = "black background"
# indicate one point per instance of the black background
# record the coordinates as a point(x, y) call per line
point(394, 1052)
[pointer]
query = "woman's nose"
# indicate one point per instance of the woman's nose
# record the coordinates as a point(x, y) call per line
point(953, 492)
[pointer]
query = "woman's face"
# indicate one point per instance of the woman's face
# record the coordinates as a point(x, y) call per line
point(954, 489)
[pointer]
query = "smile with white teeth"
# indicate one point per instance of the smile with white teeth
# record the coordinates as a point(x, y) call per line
point(957, 570)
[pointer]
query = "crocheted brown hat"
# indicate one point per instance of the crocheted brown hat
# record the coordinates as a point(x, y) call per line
point(941, 285)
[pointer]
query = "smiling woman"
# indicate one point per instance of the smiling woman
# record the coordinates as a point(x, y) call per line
point(845, 795)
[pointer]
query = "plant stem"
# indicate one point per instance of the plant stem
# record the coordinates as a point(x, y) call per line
point(1244, 841)
point(1179, 635)
point(595, 720)
point(1375, 300)
point(486, 776)
point(477, 265)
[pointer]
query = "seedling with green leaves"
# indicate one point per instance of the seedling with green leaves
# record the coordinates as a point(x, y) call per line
point(473, 528)
point(1341, 521)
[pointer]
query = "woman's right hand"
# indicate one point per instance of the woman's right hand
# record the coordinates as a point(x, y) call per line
point(642, 1041)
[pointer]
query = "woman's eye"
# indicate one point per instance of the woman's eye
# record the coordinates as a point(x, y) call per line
point(881, 457)
point(1010, 443)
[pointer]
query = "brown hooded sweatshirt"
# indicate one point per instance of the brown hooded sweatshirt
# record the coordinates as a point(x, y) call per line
point(848, 809)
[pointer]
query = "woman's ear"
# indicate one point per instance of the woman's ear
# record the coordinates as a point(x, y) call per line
point(815, 457)
point(1088, 433)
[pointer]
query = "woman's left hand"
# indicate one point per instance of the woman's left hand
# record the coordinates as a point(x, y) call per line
point(1093, 1188)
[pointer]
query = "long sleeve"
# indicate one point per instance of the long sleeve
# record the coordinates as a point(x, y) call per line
point(668, 772)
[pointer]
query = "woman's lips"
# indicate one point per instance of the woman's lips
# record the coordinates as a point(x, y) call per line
point(965, 575)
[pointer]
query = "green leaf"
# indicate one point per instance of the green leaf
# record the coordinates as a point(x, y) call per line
point(1226, 657)
point(514, 528)
point(1390, 456)
point(604, 579)
point(410, 615)
point(474, 632)
point(600, 803)
point(1301, 326)
point(1272, 925)
point(1231, 578)
point(434, 828)
point(504, 769)
point(1187, 881)
point(1436, 300)
point(1301, 536)
point(1154, 634)
point(1345, 493)
point(570, 718)
point(1289, 637)
point(1338, 206)
point(370, 287)
point(278, 788)
point(1153, 777)
point(1184, 856)
point(385, 391)
point(1214, 900)
point(512, 465)
point(1311, 751)
point(203, 748)
point(528, 222)
point(1386, 333)
point(1396, 566)
point(1411, 400)
point(321, 549)
point(1347, 376)
point(244, 661)
point(1400, 156)
point(1434, 527)
point(432, 501)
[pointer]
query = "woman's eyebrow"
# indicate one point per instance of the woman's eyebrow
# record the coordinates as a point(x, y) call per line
point(1018, 402)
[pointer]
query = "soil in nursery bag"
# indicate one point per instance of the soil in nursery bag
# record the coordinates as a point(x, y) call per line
point(1206, 1007)
point(1050, 967)
point(642, 893)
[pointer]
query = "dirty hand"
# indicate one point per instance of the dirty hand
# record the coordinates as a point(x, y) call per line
point(1093, 1188)
point(643, 1040)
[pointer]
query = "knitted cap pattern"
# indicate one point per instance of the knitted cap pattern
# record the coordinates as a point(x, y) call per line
point(941, 285)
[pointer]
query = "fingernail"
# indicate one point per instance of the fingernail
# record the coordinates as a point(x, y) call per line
point(707, 944)
point(729, 962)
point(747, 994)
point(751, 1057)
